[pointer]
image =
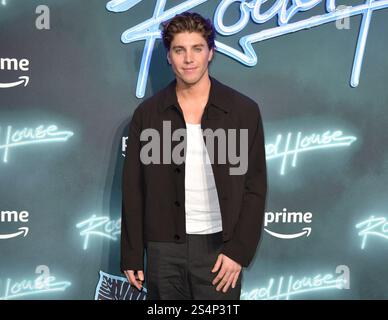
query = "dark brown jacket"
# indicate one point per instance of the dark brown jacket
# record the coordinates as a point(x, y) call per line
point(154, 194)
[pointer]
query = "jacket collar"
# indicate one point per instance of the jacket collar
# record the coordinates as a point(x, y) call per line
point(217, 96)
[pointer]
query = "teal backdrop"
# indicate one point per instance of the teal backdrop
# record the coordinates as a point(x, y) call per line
point(67, 94)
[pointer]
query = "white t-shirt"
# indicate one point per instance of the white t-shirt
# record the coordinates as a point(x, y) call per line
point(203, 215)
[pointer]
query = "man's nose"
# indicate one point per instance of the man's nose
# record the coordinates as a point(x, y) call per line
point(188, 57)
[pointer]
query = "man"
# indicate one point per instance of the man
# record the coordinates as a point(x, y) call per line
point(197, 221)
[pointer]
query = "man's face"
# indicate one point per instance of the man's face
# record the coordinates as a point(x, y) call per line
point(189, 56)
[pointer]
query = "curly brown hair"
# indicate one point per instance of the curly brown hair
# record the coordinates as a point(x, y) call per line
point(188, 22)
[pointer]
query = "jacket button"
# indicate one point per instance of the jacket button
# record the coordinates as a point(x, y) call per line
point(177, 170)
point(177, 237)
point(177, 203)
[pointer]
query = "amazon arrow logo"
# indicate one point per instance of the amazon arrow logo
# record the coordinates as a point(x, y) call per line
point(23, 231)
point(285, 217)
point(23, 79)
point(306, 231)
point(12, 64)
point(14, 216)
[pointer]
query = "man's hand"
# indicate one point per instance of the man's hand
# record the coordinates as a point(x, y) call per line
point(229, 273)
point(137, 280)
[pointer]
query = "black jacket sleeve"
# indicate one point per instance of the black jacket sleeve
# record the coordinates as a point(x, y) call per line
point(132, 243)
point(243, 244)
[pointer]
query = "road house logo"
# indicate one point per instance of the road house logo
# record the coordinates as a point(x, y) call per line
point(11, 138)
point(373, 227)
point(283, 288)
point(149, 30)
point(289, 146)
point(43, 284)
point(100, 227)
point(13, 217)
point(12, 64)
point(275, 218)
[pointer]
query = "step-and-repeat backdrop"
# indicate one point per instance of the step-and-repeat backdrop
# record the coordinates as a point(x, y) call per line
point(71, 74)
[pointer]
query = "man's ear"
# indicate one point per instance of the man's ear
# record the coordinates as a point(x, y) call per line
point(168, 57)
point(211, 54)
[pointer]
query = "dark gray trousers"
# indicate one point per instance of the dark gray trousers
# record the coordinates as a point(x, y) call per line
point(182, 271)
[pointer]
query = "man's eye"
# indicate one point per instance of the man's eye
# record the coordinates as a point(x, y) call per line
point(198, 49)
point(178, 50)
